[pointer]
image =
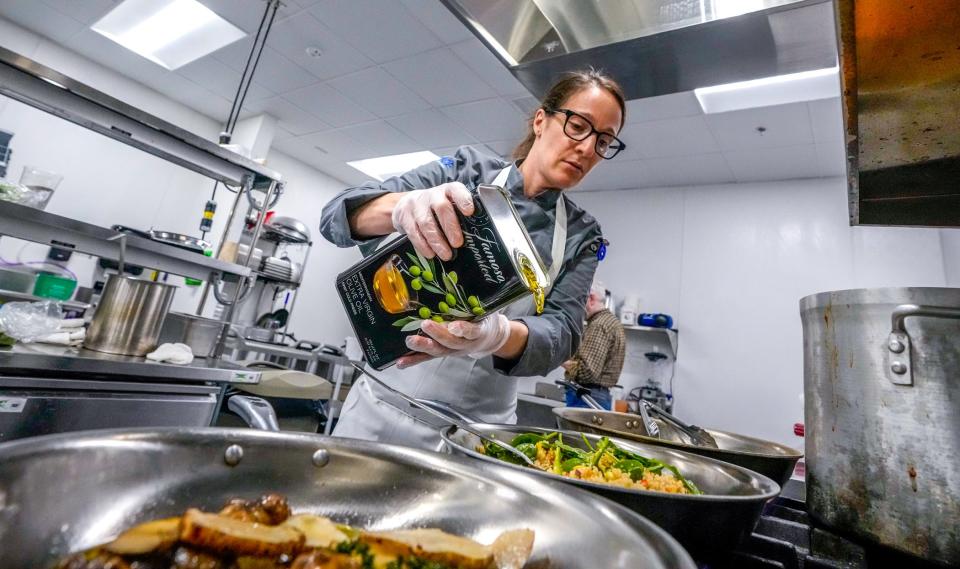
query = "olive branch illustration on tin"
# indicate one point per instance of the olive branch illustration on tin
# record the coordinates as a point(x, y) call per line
point(454, 303)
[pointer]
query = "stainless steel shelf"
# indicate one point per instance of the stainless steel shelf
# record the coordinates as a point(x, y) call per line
point(40, 360)
point(670, 333)
point(40, 226)
point(12, 296)
point(48, 90)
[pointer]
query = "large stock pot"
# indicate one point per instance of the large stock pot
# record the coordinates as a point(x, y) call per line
point(882, 396)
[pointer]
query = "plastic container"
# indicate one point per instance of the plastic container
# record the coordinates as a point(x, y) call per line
point(53, 286)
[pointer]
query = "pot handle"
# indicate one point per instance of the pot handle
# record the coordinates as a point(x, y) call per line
point(900, 363)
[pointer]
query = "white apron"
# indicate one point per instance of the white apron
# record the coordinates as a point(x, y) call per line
point(470, 385)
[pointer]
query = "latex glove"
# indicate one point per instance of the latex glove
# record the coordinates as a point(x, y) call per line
point(474, 339)
point(427, 217)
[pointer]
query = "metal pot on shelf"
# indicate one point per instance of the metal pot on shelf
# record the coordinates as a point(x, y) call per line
point(130, 316)
point(882, 385)
point(200, 333)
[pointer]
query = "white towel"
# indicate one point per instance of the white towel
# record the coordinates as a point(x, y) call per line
point(179, 354)
point(65, 337)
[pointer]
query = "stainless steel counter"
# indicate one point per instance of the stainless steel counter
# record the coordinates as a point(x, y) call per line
point(60, 361)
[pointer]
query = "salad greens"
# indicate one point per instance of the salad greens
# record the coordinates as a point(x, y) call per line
point(605, 456)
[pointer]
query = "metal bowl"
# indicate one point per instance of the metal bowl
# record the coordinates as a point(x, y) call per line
point(65, 493)
point(771, 459)
point(708, 525)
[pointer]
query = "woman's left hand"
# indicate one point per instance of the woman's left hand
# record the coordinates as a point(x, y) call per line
point(459, 338)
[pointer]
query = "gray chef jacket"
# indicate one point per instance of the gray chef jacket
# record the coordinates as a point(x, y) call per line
point(553, 335)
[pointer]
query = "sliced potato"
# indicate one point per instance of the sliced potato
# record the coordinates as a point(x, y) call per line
point(431, 545)
point(318, 530)
point(222, 534)
point(146, 537)
point(512, 548)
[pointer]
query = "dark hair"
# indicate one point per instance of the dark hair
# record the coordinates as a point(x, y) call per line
point(570, 84)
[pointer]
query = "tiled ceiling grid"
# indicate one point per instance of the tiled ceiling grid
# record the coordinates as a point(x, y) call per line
point(399, 76)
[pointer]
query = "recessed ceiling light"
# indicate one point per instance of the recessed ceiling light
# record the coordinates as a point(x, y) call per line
point(385, 167)
point(769, 91)
point(314, 51)
point(170, 33)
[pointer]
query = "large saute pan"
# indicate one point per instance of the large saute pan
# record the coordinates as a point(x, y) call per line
point(65, 493)
point(707, 525)
point(773, 460)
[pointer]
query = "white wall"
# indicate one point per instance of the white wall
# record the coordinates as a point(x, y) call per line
point(731, 263)
point(106, 182)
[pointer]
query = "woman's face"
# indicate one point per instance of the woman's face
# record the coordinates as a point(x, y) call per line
point(562, 161)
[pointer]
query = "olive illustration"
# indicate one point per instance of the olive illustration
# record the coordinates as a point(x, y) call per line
point(428, 275)
point(451, 300)
point(444, 307)
point(452, 275)
point(415, 271)
point(424, 312)
point(478, 311)
point(437, 319)
point(416, 284)
point(473, 301)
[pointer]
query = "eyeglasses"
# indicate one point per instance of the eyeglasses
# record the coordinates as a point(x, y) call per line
point(579, 127)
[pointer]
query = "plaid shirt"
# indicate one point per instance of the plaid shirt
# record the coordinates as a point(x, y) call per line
point(599, 359)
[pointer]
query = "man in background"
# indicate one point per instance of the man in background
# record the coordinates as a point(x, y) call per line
point(599, 360)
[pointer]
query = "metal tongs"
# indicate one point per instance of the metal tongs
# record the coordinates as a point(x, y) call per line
point(698, 435)
point(447, 418)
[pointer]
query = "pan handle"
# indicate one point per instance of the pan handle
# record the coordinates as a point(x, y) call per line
point(899, 366)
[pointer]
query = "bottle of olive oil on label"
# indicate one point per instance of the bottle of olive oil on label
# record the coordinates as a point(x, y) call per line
point(389, 294)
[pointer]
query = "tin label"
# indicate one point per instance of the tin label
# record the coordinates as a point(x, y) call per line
point(388, 295)
point(12, 404)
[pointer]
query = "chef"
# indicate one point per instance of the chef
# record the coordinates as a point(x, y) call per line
point(474, 366)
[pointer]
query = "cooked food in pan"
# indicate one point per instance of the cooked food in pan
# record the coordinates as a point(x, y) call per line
point(265, 534)
point(605, 463)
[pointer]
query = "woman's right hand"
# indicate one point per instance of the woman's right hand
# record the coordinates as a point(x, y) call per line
point(427, 217)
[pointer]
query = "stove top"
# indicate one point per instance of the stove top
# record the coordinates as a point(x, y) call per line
point(787, 538)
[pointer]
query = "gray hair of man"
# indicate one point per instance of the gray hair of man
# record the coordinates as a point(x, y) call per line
point(596, 297)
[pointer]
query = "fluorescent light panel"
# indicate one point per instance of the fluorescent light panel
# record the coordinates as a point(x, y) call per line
point(170, 33)
point(385, 167)
point(769, 91)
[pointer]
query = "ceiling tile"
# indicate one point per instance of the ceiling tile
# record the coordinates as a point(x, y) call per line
point(383, 31)
point(328, 105)
point(785, 125)
point(445, 150)
point(781, 163)
point(613, 175)
point(700, 169)
point(439, 77)
point(378, 92)
point(274, 71)
point(246, 14)
point(682, 136)
point(439, 19)
point(492, 119)
point(663, 107)
point(214, 75)
point(326, 163)
point(289, 116)
point(431, 128)
point(86, 12)
point(827, 119)
point(832, 158)
point(377, 138)
point(488, 68)
point(40, 18)
point(293, 36)
point(502, 148)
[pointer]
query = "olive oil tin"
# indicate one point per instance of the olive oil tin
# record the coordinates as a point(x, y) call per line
point(389, 294)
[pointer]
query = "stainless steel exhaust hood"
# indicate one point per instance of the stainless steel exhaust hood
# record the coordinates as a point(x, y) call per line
point(654, 47)
point(900, 72)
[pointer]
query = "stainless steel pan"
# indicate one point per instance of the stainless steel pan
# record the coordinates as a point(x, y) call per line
point(773, 460)
point(65, 493)
point(708, 525)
